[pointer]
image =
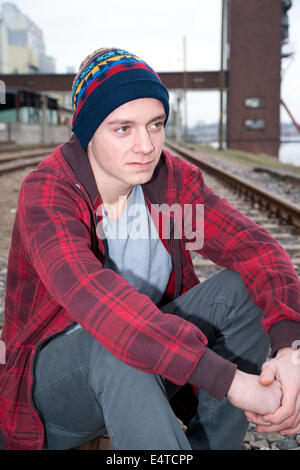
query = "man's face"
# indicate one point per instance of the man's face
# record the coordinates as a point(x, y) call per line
point(126, 147)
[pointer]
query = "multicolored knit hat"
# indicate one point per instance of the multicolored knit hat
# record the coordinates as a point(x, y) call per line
point(107, 79)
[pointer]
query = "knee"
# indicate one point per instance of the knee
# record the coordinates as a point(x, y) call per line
point(232, 283)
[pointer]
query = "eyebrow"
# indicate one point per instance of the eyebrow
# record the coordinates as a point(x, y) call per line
point(125, 122)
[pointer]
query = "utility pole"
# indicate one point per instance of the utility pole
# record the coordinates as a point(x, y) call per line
point(185, 134)
point(222, 78)
point(44, 124)
point(178, 133)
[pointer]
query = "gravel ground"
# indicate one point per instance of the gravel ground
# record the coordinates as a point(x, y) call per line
point(261, 441)
point(286, 190)
point(10, 186)
point(246, 170)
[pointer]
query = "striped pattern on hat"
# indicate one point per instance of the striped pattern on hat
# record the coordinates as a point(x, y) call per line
point(108, 78)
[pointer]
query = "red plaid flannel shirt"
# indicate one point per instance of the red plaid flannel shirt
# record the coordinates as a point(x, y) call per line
point(55, 278)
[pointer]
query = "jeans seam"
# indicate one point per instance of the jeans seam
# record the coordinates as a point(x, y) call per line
point(37, 391)
point(107, 422)
point(211, 422)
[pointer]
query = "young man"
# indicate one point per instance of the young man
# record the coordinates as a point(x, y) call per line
point(102, 326)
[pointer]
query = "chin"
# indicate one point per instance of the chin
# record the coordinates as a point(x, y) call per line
point(142, 179)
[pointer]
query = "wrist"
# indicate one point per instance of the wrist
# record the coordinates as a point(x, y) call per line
point(234, 388)
point(240, 391)
point(285, 352)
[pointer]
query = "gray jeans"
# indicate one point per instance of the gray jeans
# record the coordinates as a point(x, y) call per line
point(83, 391)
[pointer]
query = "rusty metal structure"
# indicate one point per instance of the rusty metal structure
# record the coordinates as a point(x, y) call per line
point(253, 33)
point(256, 31)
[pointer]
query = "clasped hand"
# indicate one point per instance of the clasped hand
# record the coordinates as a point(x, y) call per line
point(272, 399)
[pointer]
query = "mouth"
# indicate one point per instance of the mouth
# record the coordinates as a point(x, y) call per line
point(141, 165)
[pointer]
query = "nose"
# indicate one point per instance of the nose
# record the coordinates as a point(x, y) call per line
point(143, 142)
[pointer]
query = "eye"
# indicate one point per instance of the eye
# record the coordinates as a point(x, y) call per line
point(123, 130)
point(157, 125)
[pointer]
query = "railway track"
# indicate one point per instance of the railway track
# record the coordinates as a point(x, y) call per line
point(12, 161)
point(280, 217)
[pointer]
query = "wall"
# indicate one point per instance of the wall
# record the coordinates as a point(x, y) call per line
point(4, 67)
point(31, 134)
point(18, 59)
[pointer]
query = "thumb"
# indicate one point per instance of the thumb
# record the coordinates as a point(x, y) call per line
point(267, 375)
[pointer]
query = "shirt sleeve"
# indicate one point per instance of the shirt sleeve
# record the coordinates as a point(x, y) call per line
point(232, 240)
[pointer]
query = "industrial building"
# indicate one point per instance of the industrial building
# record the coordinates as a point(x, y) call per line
point(29, 118)
point(22, 47)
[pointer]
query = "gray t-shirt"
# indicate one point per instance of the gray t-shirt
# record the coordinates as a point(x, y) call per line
point(135, 250)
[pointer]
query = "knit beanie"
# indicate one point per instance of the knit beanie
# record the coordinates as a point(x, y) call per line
point(108, 78)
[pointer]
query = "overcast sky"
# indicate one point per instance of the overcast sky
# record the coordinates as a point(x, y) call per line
point(153, 30)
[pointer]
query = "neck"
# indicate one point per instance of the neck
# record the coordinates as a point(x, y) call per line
point(115, 210)
point(113, 198)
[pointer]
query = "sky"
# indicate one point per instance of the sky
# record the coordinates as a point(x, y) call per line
point(153, 30)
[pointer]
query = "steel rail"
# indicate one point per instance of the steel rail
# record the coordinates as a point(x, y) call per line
point(16, 164)
point(284, 209)
point(13, 154)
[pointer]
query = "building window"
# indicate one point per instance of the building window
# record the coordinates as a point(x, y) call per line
point(17, 38)
point(255, 124)
point(255, 102)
